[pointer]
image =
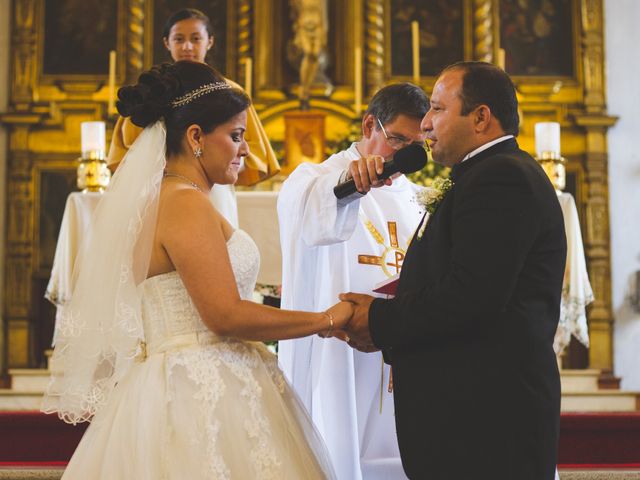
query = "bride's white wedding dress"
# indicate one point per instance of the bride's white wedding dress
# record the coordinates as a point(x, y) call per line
point(199, 406)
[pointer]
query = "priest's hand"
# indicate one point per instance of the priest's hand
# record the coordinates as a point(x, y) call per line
point(358, 326)
point(365, 171)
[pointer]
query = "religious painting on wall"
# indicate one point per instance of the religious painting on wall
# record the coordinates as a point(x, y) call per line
point(537, 36)
point(441, 34)
point(78, 35)
point(216, 10)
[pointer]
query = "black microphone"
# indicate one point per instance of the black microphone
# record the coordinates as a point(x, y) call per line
point(409, 159)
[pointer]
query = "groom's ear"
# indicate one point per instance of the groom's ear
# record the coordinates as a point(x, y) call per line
point(482, 118)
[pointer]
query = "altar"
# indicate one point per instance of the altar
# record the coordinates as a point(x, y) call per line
point(258, 216)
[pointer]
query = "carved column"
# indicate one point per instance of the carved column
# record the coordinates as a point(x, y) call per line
point(595, 122)
point(24, 57)
point(19, 249)
point(135, 39)
point(483, 38)
point(245, 38)
point(18, 254)
point(374, 45)
point(593, 57)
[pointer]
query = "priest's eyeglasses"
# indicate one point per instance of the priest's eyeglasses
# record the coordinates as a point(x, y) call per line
point(399, 142)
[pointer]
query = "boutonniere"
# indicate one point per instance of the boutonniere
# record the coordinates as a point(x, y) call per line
point(430, 198)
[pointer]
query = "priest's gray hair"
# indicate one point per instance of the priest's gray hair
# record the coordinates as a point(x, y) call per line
point(398, 99)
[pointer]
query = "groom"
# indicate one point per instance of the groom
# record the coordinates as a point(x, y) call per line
point(470, 331)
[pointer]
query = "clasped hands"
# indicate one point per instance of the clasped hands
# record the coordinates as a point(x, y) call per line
point(351, 321)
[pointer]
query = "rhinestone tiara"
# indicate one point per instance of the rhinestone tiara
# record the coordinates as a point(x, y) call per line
point(198, 92)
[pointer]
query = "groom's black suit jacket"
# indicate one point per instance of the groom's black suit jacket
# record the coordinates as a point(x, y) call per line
point(470, 331)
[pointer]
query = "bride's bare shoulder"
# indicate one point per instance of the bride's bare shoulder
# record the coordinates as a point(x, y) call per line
point(187, 209)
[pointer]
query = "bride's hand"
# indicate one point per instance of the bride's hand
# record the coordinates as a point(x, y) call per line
point(338, 317)
point(342, 313)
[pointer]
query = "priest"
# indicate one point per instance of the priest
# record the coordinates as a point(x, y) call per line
point(333, 245)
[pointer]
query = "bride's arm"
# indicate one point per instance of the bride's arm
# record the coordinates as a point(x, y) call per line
point(193, 234)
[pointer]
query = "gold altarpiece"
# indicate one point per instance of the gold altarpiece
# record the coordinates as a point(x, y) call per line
point(49, 97)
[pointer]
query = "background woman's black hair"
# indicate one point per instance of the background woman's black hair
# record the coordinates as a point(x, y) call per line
point(150, 100)
point(185, 14)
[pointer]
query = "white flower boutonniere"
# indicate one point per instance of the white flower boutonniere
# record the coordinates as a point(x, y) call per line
point(430, 198)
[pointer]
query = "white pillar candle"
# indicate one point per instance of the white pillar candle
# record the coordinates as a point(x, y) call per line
point(357, 79)
point(547, 139)
point(502, 58)
point(111, 106)
point(93, 140)
point(415, 50)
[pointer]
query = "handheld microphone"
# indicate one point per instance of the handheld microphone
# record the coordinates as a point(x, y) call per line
point(409, 159)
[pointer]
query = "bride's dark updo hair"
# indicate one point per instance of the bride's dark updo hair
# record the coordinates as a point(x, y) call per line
point(151, 100)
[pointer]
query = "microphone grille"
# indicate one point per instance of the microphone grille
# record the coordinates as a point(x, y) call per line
point(410, 158)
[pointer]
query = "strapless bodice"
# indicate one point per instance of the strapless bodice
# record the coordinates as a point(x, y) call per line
point(167, 308)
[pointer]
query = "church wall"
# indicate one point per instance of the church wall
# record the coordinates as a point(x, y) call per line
point(5, 34)
point(622, 38)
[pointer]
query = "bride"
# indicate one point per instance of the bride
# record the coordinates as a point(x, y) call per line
point(159, 346)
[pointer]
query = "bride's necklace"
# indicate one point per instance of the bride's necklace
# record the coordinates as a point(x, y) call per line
point(193, 184)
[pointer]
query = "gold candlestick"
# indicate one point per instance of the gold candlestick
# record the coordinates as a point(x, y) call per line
point(93, 174)
point(547, 136)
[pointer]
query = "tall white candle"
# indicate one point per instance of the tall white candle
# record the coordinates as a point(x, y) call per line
point(111, 109)
point(501, 58)
point(415, 50)
point(547, 140)
point(93, 140)
point(357, 79)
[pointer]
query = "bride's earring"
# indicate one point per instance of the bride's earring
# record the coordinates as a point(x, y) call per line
point(197, 153)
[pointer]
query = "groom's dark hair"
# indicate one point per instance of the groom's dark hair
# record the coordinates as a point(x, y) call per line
point(486, 84)
point(398, 99)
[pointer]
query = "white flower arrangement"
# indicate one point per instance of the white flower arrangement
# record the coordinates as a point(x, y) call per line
point(430, 198)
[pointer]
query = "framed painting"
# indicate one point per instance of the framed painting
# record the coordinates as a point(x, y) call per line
point(441, 35)
point(538, 37)
point(78, 36)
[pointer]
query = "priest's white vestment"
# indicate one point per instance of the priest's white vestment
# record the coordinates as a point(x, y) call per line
point(330, 247)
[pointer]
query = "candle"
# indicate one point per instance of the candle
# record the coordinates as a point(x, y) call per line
point(93, 140)
point(357, 79)
point(547, 140)
point(415, 49)
point(111, 109)
point(248, 75)
point(501, 58)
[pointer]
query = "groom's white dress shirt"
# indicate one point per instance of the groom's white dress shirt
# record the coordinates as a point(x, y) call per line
point(329, 248)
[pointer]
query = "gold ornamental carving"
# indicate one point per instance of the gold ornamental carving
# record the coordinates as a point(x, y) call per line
point(593, 61)
point(24, 58)
point(44, 114)
point(374, 45)
point(19, 215)
point(244, 39)
point(483, 39)
point(18, 275)
point(135, 39)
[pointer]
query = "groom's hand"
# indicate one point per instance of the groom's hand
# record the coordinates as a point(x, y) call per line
point(358, 326)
